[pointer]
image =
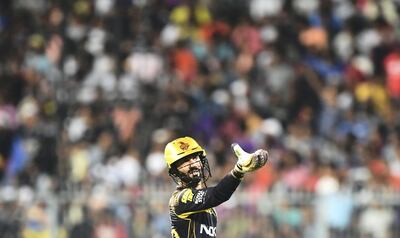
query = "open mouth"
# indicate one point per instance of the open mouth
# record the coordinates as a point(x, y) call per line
point(194, 173)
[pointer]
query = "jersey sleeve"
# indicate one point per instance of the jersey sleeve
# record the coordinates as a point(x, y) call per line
point(190, 200)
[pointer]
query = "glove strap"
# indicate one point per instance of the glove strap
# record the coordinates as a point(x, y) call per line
point(237, 174)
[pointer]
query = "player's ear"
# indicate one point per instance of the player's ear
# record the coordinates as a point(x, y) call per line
point(173, 171)
point(202, 155)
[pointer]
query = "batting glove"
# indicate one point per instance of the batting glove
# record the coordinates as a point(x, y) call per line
point(248, 162)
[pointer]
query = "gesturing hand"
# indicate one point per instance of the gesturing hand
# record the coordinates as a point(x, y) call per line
point(248, 162)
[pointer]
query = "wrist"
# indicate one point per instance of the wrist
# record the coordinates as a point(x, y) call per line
point(237, 173)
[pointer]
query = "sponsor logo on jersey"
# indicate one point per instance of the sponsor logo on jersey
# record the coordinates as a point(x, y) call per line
point(200, 196)
point(209, 230)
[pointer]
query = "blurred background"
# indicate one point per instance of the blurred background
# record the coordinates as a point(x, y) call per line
point(92, 90)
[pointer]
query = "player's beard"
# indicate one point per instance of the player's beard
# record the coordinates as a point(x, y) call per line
point(184, 180)
point(193, 177)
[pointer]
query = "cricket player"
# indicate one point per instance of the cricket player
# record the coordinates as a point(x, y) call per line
point(192, 204)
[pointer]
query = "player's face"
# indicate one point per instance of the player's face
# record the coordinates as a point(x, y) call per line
point(191, 166)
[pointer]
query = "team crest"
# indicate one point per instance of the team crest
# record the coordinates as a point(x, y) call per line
point(183, 145)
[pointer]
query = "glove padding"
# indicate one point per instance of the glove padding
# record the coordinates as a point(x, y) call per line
point(248, 162)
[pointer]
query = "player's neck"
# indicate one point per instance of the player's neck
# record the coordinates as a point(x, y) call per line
point(200, 185)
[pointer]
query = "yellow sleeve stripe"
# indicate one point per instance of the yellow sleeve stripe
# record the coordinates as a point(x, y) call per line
point(186, 214)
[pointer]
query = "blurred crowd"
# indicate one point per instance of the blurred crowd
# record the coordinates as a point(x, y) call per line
point(92, 90)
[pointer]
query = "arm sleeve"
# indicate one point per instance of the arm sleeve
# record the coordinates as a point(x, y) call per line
point(192, 200)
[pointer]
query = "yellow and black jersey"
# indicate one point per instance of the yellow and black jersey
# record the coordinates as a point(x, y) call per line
point(192, 210)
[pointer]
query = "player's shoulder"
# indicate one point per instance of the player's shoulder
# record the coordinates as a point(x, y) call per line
point(181, 196)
